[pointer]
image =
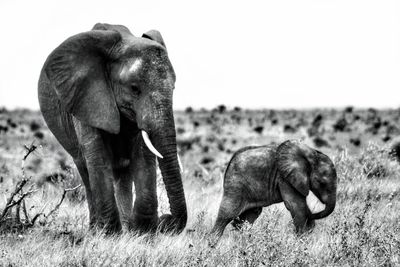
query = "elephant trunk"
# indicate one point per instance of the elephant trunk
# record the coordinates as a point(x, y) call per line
point(164, 137)
point(329, 207)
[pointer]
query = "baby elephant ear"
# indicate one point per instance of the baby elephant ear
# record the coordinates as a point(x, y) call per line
point(155, 36)
point(77, 71)
point(110, 27)
point(293, 167)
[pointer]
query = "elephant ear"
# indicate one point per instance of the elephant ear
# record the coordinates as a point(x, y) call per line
point(293, 166)
point(110, 27)
point(77, 71)
point(155, 36)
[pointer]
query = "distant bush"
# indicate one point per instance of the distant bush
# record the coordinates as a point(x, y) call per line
point(189, 110)
point(34, 126)
point(341, 125)
point(320, 142)
point(386, 138)
point(349, 109)
point(317, 120)
point(38, 135)
point(259, 129)
point(355, 141)
point(11, 123)
point(206, 160)
point(287, 128)
point(3, 129)
point(221, 108)
point(186, 144)
point(180, 130)
point(221, 146)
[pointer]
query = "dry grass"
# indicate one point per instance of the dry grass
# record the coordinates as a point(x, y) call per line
point(363, 230)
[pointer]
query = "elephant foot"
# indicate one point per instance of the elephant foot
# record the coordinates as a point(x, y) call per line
point(109, 227)
point(143, 224)
point(237, 223)
point(249, 215)
point(169, 224)
point(310, 224)
point(213, 241)
point(306, 228)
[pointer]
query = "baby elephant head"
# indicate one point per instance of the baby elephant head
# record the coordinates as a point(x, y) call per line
point(308, 169)
point(323, 183)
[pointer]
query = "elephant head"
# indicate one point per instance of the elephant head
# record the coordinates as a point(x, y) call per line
point(308, 169)
point(106, 73)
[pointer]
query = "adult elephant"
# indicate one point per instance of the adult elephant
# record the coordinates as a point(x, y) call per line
point(107, 97)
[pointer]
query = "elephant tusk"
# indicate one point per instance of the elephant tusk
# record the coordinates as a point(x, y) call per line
point(314, 204)
point(179, 162)
point(149, 145)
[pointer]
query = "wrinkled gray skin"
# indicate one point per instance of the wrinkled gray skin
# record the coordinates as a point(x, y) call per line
point(260, 176)
point(97, 91)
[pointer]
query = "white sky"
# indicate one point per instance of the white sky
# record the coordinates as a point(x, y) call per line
point(251, 54)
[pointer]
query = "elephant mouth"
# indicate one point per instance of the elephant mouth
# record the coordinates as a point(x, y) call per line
point(127, 111)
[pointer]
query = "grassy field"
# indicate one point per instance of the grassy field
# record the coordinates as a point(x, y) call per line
point(363, 230)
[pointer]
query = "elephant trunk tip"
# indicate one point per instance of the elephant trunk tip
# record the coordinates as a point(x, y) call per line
point(322, 214)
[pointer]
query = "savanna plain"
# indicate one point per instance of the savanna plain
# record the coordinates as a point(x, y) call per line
point(364, 229)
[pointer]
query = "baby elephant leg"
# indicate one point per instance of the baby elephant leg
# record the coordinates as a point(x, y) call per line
point(230, 208)
point(249, 215)
point(297, 205)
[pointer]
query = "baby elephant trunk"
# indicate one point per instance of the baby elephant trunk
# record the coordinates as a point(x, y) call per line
point(329, 207)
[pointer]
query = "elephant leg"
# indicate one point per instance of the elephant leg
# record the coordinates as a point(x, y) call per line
point(81, 166)
point(145, 216)
point(297, 205)
point(310, 223)
point(100, 173)
point(229, 209)
point(123, 196)
point(249, 215)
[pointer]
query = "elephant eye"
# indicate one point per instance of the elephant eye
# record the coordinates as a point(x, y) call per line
point(135, 89)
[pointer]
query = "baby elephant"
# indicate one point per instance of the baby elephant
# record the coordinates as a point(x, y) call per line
point(259, 176)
